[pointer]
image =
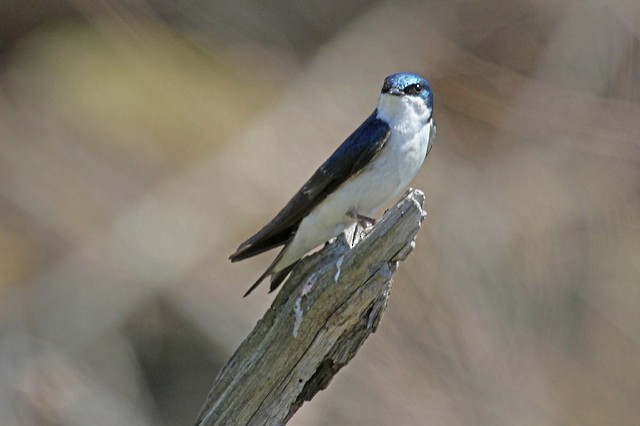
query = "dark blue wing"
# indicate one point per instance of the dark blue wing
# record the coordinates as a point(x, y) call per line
point(349, 159)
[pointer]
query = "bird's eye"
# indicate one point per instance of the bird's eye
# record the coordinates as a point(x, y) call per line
point(415, 89)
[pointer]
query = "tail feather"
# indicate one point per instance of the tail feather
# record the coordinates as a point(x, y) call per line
point(278, 277)
point(257, 283)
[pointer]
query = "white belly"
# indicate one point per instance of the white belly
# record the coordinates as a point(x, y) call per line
point(388, 174)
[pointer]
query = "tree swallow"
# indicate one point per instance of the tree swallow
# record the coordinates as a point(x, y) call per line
point(371, 167)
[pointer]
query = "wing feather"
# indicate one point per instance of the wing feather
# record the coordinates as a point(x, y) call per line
point(349, 159)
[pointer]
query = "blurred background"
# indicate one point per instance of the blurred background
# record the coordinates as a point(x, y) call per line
point(142, 140)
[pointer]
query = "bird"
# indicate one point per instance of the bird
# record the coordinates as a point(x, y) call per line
point(367, 171)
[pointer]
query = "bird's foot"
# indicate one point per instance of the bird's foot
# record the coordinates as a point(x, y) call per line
point(365, 222)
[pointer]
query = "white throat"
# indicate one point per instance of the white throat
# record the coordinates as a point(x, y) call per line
point(403, 113)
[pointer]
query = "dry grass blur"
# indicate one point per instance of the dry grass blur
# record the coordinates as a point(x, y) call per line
point(139, 145)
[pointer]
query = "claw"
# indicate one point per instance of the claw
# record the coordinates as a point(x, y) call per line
point(365, 222)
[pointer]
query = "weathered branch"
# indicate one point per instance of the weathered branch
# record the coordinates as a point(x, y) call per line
point(331, 303)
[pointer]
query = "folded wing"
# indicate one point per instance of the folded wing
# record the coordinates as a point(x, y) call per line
point(349, 159)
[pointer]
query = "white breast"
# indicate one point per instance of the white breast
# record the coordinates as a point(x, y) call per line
point(388, 174)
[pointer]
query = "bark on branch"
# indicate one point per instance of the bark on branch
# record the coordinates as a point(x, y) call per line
point(331, 303)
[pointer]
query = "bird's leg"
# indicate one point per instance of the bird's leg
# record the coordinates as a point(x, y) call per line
point(364, 221)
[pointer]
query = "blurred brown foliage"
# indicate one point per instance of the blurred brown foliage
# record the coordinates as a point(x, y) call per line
point(140, 142)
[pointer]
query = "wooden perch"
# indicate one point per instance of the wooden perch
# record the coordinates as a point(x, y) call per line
point(331, 303)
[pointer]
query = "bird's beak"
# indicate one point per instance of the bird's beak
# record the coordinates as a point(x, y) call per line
point(395, 92)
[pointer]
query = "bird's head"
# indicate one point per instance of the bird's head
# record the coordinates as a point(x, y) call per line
point(406, 95)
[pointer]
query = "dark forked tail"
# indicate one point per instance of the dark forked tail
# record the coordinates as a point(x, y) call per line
point(276, 277)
